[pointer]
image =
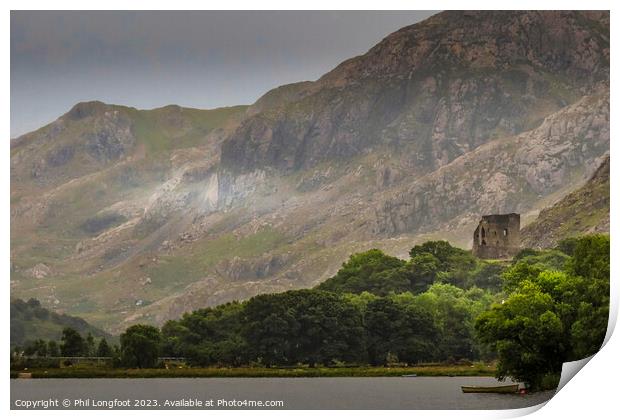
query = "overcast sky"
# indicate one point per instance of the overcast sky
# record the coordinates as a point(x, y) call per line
point(198, 59)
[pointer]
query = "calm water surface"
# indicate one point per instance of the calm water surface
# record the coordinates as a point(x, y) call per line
point(295, 393)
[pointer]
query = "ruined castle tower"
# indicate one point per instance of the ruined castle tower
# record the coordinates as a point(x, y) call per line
point(497, 236)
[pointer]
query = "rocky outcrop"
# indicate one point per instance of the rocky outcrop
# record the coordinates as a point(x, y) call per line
point(39, 271)
point(504, 176)
point(86, 139)
point(237, 269)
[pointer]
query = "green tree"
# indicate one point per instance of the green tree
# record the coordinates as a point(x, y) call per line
point(550, 316)
point(529, 265)
point(360, 301)
point(104, 349)
point(89, 345)
point(269, 324)
point(36, 348)
point(589, 329)
point(329, 329)
point(72, 343)
point(423, 269)
point(207, 336)
point(371, 271)
point(454, 311)
point(487, 276)
point(52, 349)
point(175, 337)
point(591, 257)
point(140, 346)
point(527, 335)
point(591, 262)
point(395, 330)
point(448, 256)
point(453, 265)
point(567, 245)
point(302, 326)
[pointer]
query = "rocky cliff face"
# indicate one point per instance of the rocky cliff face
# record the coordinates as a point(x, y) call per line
point(438, 89)
point(139, 216)
point(86, 139)
point(507, 175)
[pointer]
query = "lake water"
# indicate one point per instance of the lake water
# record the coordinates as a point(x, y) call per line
point(295, 393)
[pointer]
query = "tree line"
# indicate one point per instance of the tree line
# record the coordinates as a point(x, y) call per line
point(441, 305)
point(71, 344)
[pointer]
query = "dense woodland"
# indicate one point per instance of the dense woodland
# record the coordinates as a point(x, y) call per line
point(441, 305)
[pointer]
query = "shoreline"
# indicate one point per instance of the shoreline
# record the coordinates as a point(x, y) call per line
point(298, 372)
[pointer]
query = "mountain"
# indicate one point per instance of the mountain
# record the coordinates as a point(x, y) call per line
point(583, 211)
point(30, 321)
point(94, 136)
point(438, 89)
point(121, 215)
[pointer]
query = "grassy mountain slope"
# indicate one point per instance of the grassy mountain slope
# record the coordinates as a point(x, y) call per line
point(583, 211)
point(30, 321)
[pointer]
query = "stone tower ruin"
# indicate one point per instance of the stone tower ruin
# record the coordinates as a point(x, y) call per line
point(497, 236)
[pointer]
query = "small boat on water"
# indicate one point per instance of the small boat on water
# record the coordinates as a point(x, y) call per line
point(501, 389)
point(411, 375)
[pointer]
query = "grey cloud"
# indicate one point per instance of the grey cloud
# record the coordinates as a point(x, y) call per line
point(202, 59)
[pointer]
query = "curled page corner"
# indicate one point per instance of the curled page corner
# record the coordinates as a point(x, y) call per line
point(570, 369)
